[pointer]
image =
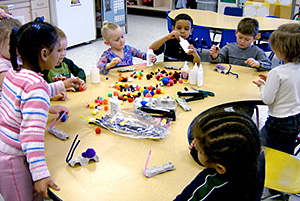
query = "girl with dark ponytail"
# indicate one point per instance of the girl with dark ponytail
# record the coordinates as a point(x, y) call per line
point(24, 111)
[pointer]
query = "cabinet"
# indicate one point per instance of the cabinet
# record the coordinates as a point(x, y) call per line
point(40, 8)
point(19, 8)
point(157, 5)
point(28, 10)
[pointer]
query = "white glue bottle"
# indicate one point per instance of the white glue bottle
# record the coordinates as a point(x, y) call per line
point(95, 75)
point(150, 54)
point(200, 76)
point(193, 78)
point(115, 105)
point(185, 71)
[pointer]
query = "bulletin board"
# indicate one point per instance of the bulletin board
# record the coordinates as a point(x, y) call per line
point(115, 11)
point(262, 8)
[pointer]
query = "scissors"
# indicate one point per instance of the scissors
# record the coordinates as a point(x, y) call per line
point(206, 93)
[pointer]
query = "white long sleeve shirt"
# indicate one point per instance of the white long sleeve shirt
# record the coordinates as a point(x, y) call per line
point(282, 90)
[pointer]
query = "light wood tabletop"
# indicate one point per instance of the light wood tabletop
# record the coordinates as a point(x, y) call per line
point(118, 175)
point(215, 20)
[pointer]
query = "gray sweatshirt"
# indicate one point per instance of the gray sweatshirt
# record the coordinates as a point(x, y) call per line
point(232, 54)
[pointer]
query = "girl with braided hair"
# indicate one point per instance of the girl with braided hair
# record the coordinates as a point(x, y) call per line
point(228, 145)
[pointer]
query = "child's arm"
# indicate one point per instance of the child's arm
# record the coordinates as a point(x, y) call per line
point(265, 63)
point(105, 63)
point(75, 70)
point(222, 54)
point(194, 52)
point(214, 52)
point(157, 44)
point(42, 185)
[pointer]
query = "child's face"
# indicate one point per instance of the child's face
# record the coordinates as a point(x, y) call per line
point(202, 158)
point(62, 49)
point(243, 41)
point(52, 57)
point(116, 39)
point(4, 51)
point(184, 28)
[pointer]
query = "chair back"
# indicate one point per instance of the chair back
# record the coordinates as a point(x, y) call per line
point(201, 35)
point(282, 171)
point(233, 11)
point(228, 36)
point(169, 22)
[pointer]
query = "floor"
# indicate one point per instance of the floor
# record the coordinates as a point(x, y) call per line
point(142, 31)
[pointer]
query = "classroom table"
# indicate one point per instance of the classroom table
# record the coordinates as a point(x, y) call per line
point(218, 21)
point(118, 175)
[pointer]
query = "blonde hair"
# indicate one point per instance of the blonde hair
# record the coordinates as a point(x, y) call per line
point(6, 25)
point(107, 27)
point(286, 41)
point(61, 33)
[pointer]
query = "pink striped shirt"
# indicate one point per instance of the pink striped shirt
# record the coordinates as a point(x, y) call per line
point(23, 117)
point(5, 65)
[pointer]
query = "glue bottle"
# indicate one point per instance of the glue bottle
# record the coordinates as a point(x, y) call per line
point(150, 54)
point(185, 71)
point(115, 105)
point(193, 78)
point(95, 75)
point(200, 76)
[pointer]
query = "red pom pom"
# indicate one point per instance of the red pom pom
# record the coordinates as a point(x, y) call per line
point(98, 130)
point(105, 107)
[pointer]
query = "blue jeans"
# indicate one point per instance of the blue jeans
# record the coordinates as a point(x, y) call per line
point(281, 133)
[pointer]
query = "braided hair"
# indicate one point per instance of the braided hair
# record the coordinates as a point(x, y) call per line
point(232, 140)
point(29, 40)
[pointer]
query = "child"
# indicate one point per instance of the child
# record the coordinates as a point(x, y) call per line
point(119, 54)
point(7, 23)
point(169, 44)
point(24, 111)
point(228, 146)
point(65, 67)
point(242, 52)
point(281, 91)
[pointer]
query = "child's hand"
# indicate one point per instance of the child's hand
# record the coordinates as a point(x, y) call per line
point(252, 62)
point(214, 51)
point(153, 59)
point(192, 50)
point(58, 108)
point(42, 185)
point(263, 77)
point(82, 84)
point(262, 80)
point(72, 82)
point(192, 145)
point(173, 34)
point(114, 62)
point(62, 96)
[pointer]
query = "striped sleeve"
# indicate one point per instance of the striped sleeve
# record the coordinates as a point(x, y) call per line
point(56, 88)
point(34, 106)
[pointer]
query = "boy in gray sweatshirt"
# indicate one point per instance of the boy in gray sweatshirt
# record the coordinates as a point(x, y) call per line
point(243, 52)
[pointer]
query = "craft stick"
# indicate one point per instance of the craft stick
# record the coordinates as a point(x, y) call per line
point(148, 158)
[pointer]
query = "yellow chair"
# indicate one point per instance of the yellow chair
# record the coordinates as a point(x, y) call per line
point(282, 172)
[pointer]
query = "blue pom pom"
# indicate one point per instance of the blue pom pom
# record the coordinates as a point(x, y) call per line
point(165, 80)
point(64, 118)
point(145, 92)
point(90, 153)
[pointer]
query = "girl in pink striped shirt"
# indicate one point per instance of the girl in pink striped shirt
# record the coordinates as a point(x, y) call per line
point(24, 111)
